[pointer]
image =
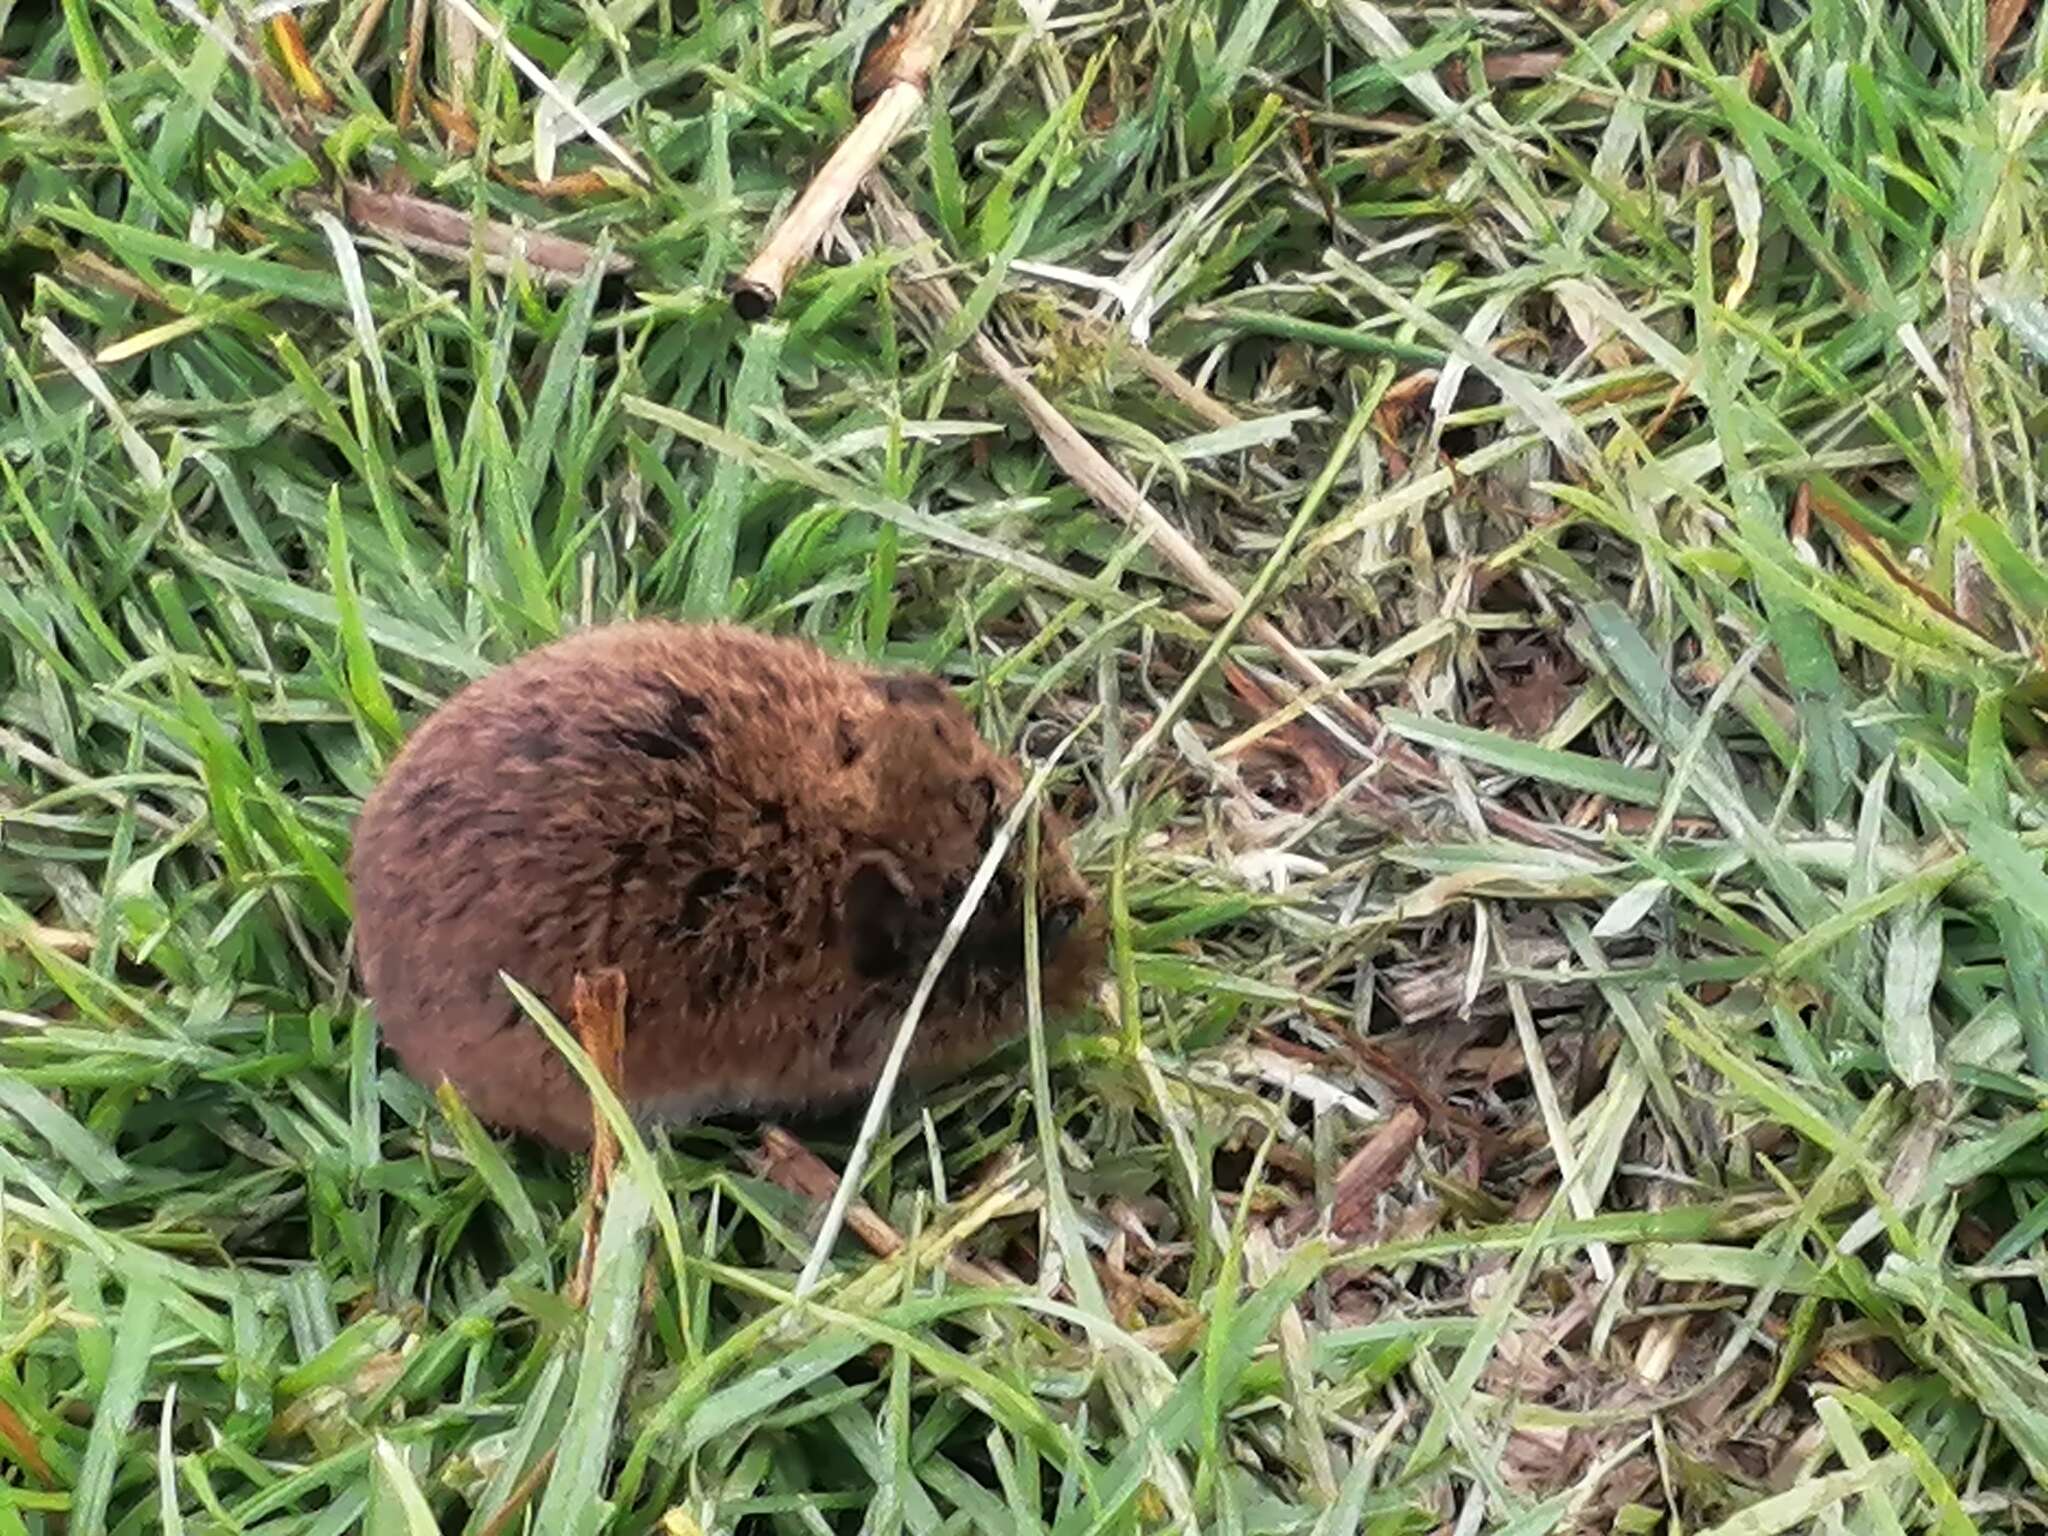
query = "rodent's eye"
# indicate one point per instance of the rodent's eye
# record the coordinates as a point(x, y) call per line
point(1059, 921)
point(977, 799)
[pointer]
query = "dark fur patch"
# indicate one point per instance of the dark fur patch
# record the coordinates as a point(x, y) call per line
point(474, 822)
point(681, 717)
point(879, 923)
point(422, 795)
point(460, 900)
point(860, 1038)
point(676, 735)
point(693, 914)
point(651, 744)
point(1057, 922)
point(977, 801)
point(536, 744)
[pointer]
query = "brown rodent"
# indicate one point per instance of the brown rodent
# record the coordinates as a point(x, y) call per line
point(767, 841)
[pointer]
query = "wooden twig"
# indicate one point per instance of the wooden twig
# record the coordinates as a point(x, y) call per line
point(893, 84)
point(598, 1008)
point(422, 225)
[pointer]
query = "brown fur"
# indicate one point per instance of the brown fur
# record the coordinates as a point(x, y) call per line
point(767, 841)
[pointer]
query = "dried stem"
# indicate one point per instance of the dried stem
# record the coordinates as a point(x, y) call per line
point(409, 81)
point(65, 941)
point(893, 83)
point(502, 1517)
point(758, 289)
point(421, 225)
point(365, 31)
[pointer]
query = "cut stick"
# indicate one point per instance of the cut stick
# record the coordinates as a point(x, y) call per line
point(758, 289)
point(892, 84)
point(1088, 467)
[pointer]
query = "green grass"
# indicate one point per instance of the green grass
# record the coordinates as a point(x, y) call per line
point(1650, 442)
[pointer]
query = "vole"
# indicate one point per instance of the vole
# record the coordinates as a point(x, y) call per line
point(766, 840)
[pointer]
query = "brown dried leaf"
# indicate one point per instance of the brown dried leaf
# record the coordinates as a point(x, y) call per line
point(1535, 703)
point(1292, 767)
point(1369, 1173)
point(1542, 1459)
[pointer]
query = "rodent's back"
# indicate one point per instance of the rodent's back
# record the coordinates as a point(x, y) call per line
point(762, 838)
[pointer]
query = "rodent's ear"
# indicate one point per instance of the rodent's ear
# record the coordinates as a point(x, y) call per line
point(877, 915)
point(846, 741)
point(910, 688)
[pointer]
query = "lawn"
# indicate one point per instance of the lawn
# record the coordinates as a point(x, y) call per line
point(1531, 518)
